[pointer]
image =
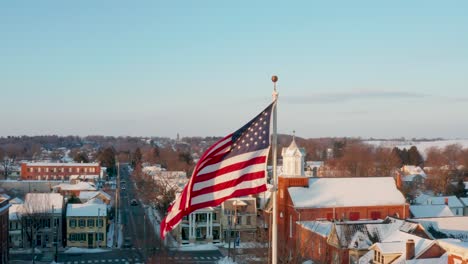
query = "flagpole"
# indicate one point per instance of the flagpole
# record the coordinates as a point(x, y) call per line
point(274, 227)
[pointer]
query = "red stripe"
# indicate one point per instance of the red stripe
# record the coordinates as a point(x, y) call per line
point(199, 164)
point(230, 168)
point(237, 193)
point(214, 145)
point(167, 227)
point(209, 161)
point(228, 184)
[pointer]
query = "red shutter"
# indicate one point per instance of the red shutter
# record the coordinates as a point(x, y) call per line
point(375, 215)
point(353, 216)
point(330, 216)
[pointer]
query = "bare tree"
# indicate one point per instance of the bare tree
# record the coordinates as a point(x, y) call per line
point(36, 215)
point(7, 161)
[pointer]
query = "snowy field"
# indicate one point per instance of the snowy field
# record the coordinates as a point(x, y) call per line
point(421, 145)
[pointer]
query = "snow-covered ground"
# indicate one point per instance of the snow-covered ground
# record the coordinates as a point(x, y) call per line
point(422, 146)
point(85, 250)
point(225, 260)
point(247, 245)
point(197, 247)
point(26, 251)
point(155, 219)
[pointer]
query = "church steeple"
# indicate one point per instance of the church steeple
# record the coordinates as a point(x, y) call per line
point(293, 159)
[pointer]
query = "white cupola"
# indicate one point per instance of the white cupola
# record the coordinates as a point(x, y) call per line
point(293, 159)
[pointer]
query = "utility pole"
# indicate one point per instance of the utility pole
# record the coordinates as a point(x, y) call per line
point(116, 216)
point(144, 234)
point(56, 234)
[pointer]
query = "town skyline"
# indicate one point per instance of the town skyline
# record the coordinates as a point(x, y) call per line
point(382, 70)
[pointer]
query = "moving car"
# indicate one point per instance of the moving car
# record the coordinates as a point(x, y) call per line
point(133, 202)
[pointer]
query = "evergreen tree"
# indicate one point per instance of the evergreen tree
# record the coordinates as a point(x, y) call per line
point(414, 157)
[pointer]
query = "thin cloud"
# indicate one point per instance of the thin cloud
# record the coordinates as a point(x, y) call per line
point(342, 97)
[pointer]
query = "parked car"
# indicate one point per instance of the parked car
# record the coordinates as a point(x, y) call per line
point(133, 202)
point(127, 242)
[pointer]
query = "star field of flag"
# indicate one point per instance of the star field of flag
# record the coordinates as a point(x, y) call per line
point(255, 135)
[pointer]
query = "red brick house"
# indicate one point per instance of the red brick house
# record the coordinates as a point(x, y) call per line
point(4, 205)
point(303, 198)
point(57, 171)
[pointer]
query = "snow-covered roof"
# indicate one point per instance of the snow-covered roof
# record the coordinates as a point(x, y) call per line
point(412, 177)
point(16, 200)
point(454, 246)
point(440, 260)
point(341, 192)
point(15, 212)
point(415, 170)
point(86, 195)
point(396, 243)
point(446, 227)
point(86, 209)
point(43, 203)
point(363, 235)
point(453, 201)
point(81, 186)
point(322, 228)
point(419, 211)
point(464, 200)
point(4, 196)
point(314, 163)
point(74, 164)
point(84, 177)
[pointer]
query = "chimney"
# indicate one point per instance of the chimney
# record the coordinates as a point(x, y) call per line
point(446, 200)
point(410, 249)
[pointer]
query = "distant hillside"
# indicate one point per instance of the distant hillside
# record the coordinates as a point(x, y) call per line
point(421, 145)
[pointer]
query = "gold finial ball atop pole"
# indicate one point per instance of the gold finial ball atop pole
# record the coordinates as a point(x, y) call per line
point(274, 78)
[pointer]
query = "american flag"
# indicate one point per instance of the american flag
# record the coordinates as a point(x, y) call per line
point(234, 166)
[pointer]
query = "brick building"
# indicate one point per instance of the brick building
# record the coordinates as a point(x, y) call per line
point(4, 205)
point(302, 198)
point(57, 171)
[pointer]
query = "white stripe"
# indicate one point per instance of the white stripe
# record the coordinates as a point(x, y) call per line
point(233, 160)
point(220, 144)
point(223, 151)
point(227, 192)
point(229, 176)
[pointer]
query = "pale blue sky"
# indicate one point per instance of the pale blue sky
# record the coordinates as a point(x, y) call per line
point(202, 68)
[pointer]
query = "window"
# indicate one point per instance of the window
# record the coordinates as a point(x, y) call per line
point(100, 222)
point(90, 222)
point(353, 216)
point(248, 220)
point(375, 215)
point(39, 170)
point(70, 169)
point(72, 223)
point(81, 223)
point(46, 169)
point(77, 169)
point(86, 170)
point(214, 216)
point(99, 236)
point(329, 216)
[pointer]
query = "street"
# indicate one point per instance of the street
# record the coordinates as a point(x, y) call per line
point(145, 243)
